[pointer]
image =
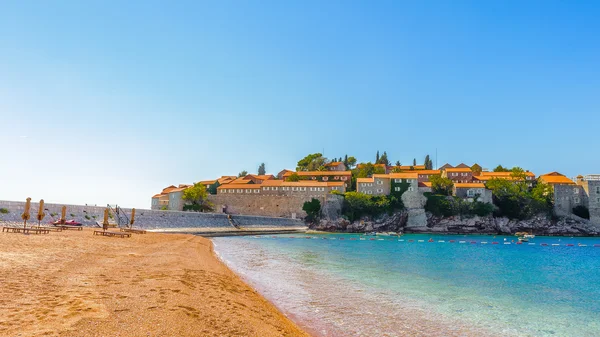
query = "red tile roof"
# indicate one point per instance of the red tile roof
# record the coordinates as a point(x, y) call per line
point(319, 173)
point(469, 185)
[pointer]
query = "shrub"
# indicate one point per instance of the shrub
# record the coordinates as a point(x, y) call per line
point(357, 205)
point(164, 208)
point(53, 214)
point(3, 211)
point(439, 205)
point(582, 212)
point(72, 215)
point(312, 209)
point(482, 208)
point(87, 217)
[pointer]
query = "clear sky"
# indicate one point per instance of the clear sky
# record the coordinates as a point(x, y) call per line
point(110, 101)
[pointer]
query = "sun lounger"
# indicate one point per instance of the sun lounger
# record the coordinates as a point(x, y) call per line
point(113, 234)
point(66, 227)
point(52, 229)
point(133, 230)
point(27, 230)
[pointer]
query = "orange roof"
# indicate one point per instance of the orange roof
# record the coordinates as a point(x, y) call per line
point(374, 165)
point(469, 185)
point(401, 175)
point(429, 172)
point(168, 189)
point(556, 179)
point(425, 184)
point(180, 189)
point(319, 173)
point(365, 180)
point(239, 186)
point(504, 174)
point(458, 169)
point(241, 181)
point(208, 182)
point(157, 196)
point(309, 183)
point(334, 163)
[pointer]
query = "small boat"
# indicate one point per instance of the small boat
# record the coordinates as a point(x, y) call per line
point(370, 234)
point(523, 239)
point(388, 234)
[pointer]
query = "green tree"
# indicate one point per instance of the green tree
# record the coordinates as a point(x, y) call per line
point(398, 163)
point(518, 173)
point(351, 162)
point(414, 162)
point(196, 198)
point(441, 186)
point(396, 169)
point(242, 174)
point(476, 169)
point(293, 177)
point(377, 157)
point(261, 169)
point(312, 209)
point(428, 163)
point(312, 162)
point(500, 168)
point(383, 159)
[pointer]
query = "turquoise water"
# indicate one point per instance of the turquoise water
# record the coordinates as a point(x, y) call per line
point(340, 285)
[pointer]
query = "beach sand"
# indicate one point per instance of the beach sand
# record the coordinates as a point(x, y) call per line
point(72, 283)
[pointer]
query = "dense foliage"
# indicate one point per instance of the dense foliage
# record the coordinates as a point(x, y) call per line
point(3, 211)
point(312, 162)
point(516, 199)
point(445, 206)
point(196, 198)
point(441, 186)
point(312, 209)
point(242, 174)
point(357, 205)
point(261, 169)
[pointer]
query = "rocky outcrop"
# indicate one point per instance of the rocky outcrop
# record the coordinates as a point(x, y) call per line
point(401, 222)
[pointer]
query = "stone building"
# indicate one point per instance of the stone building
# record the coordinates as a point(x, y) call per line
point(343, 176)
point(386, 184)
point(471, 190)
point(425, 175)
point(591, 188)
point(335, 166)
point(458, 174)
point(568, 194)
point(161, 200)
point(176, 198)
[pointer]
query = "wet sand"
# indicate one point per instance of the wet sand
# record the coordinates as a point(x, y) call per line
point(72, 283)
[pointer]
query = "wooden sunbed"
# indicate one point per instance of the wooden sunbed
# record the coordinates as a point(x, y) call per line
point(107, 233)
point(27, 230)
point(133, 230)
point(66, 227)
point(52, 229)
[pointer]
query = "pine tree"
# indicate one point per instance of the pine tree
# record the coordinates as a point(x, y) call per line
point(377, 157)
point(398, 163)
point(415, 162)
point(383, 159)
point(261, 169)
point(346, 160)
point(428, 163)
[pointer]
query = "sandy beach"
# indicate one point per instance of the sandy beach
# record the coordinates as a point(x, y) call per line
point(75, 284)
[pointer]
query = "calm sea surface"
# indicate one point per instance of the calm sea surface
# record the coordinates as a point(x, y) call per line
point(352, 285)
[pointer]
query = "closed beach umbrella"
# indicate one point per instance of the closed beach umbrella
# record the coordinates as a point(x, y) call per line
point(63, 216)
point(41, 213)
point(25, 216)
point(105, 223)
point(132, 216)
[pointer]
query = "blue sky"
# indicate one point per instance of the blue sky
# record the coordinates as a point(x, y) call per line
point(109, 101)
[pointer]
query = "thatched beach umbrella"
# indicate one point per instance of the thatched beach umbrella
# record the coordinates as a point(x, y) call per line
point(105, 223)
point(25, 216)
point(132, 216)
point(41, 213)
point(63, 215)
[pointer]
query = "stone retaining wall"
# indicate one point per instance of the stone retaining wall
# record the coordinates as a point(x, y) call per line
point(145, 218)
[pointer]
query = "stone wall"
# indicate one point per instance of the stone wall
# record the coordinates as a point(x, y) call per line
point(148, 219)
point(262, 205)
point(566, 197)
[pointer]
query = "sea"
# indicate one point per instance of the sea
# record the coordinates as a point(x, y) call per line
point(424, 285)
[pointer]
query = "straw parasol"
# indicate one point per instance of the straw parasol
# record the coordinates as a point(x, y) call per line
point(105, 223)
point(41, 213)
point(132, 216)
point(25, 216)
point(63, 216)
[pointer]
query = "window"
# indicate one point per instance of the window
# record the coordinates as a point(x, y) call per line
point(293, 188)
point(256, 190)
point(325, 178)
point(336, 178)
point(470, 193)
point(334, 188)
point(410, 189)
point(598, 200)
point(597, 189)
point(370, 192)
point(576, 200)
point(575, 190)
point(275, 188)
point(397, 189)
point(454, 174)
point(231, 191)
point(379, 190)
point(248, 191)
point(397, 180)
point(379, 182)
point(265, 188)
point(346, 178)
point(323, 188)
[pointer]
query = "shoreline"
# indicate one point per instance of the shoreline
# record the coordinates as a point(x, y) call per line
point(75, 284)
